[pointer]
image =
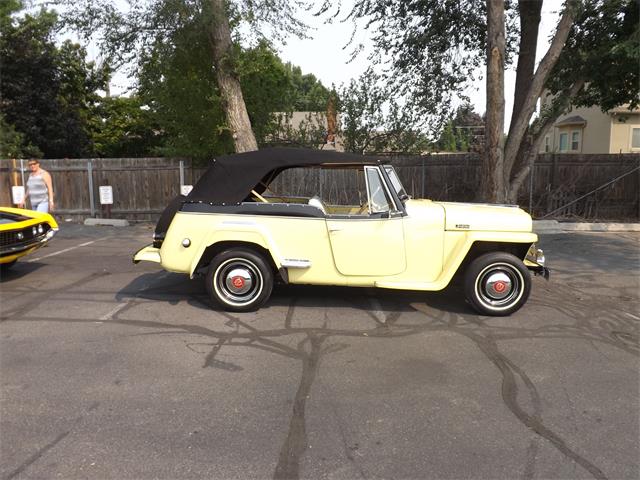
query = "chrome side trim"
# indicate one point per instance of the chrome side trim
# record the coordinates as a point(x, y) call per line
point(295, 263)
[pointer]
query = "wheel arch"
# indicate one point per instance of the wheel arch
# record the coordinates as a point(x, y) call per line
point(215, 248)
point(481, 247)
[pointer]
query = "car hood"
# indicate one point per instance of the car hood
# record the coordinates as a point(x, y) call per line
point(15, 218)
point(479, 217)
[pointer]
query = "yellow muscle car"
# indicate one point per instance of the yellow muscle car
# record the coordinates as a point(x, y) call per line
point(352, 224)
point(21, 232)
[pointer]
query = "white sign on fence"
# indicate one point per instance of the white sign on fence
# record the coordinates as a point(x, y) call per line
point(106, 195)
point(185, 189)
point(17, 193)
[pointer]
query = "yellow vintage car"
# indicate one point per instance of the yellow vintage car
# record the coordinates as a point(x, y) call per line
point(22, 232)
point(349, 222)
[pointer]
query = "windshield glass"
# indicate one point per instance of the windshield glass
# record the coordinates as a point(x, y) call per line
point(395, 181)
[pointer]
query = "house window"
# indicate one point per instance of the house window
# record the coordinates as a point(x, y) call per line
point(635, 138)
point(564, 142)
point(547, 145)
point(575, 141)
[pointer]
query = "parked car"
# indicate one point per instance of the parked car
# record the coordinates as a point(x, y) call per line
point(22, 232)
point(238, 230)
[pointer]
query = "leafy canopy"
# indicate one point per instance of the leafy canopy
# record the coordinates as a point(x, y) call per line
point(47, 91)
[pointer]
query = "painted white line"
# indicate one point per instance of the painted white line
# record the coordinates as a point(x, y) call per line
point(116, 309)
point(65, 250)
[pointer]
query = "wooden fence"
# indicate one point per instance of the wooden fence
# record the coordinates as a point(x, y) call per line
point(143, 186)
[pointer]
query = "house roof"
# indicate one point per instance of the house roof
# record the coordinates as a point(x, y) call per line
point(230, 178)
point(573, 120)
point(624, 109)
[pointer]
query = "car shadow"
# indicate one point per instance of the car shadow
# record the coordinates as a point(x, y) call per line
point(19, 270)
point(173, 288)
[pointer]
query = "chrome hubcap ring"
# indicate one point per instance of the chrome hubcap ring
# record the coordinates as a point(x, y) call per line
point(499, 286)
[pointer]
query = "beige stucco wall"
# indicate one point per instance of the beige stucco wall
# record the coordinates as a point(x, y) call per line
point(621, 129)
point(596, 134)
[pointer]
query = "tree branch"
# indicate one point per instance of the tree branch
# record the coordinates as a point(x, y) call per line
point(521, 123)
point(560, 104)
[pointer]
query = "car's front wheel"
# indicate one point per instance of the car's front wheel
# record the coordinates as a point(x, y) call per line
point(239, 280)
point(497, 284)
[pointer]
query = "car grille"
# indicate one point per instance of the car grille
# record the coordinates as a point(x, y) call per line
point(23, 238)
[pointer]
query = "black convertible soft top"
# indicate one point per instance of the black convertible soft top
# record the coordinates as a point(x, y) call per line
point(230, 178)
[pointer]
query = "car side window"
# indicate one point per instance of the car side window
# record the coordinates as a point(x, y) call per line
point(379, 202)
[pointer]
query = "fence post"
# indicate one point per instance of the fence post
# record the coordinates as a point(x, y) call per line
point(91, 199)
point(181, 173)
point(22, 171)
point(422, 170)
point(532, 169)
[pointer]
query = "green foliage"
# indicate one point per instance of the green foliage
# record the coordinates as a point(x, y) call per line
point(177, 81)
point(432, 49)
point(373, 122)
point(13, 143)
point(603, 49)
point(458, 133)
point(309, 95)
point(123, 127)
point(47, 92)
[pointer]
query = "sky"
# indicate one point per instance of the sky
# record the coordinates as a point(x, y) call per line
point(324, 55)
point(327, 56)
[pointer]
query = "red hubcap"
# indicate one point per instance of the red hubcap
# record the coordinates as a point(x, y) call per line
point(237, 282)
point(499, 287)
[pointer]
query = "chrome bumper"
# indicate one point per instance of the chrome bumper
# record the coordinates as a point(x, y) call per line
point(535, 262)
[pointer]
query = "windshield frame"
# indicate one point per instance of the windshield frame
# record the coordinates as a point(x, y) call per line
point(396, 183)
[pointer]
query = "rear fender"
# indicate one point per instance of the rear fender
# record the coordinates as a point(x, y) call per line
point(239, 233)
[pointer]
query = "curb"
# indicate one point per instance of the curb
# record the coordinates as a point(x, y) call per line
point(111, 222)
point(553, 226)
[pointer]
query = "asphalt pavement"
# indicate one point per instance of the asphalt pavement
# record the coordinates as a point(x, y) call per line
point(110, 370)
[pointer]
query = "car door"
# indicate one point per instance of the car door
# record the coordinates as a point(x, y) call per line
point(371, 244)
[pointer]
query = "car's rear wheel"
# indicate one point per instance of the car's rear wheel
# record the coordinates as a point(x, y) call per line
point(239, 280)
point(497, 284)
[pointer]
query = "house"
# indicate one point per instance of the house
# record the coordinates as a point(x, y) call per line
point(590, 130)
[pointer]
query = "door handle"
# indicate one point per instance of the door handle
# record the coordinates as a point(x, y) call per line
point(335, 229)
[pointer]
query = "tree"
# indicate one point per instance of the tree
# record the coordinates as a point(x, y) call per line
point(13, 143)
point(128, 35)
point(373, 123)
point(459, 133)
point(434, 48)
point(176, 81)
point(124, 127)
point(47, 91)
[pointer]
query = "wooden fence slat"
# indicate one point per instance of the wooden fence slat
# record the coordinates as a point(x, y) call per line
point(144, 186)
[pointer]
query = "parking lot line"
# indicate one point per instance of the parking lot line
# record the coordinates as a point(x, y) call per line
point(65, 250)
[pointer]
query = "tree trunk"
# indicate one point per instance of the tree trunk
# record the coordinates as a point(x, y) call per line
point(539, 130)
point(520, 124)
point(232, 100)
point(529, 25)
point(493, 160)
